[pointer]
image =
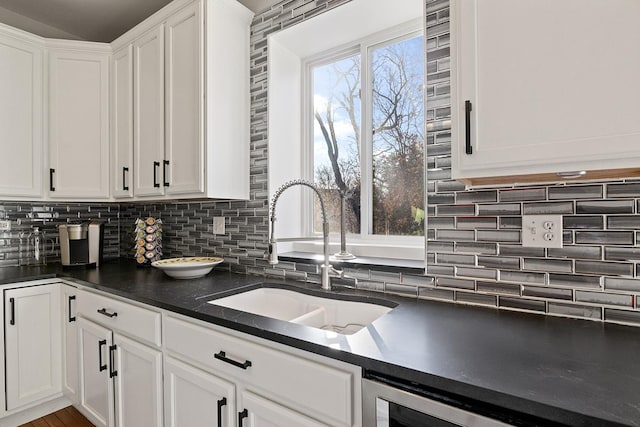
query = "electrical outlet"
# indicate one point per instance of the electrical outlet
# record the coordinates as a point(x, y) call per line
point(218, 225)
point(542, 231)
point(5, 225)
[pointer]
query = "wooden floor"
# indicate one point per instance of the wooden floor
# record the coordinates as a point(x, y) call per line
point(66, 417)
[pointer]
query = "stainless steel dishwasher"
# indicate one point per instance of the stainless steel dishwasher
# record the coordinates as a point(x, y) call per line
point(385, 405)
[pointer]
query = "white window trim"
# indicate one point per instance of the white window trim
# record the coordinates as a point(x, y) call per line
point(286, 96)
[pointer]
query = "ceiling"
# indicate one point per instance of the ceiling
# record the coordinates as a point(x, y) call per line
point(94, 20)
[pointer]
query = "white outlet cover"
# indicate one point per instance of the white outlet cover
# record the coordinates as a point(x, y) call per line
point(5, 225)
point(218, 225)
point(542, 231)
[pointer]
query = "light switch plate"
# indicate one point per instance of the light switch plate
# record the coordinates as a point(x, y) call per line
point(542, 231)
point(218, 225)
point(5, 225)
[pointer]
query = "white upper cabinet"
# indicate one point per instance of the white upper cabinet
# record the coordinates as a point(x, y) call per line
point(541, 88)
point(122, 122)
point(21, 114)
point(148, 118)
point(184, 102)
point(191, 102)
point(79, 120)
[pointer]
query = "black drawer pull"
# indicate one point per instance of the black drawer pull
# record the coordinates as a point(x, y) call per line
point(51, 187)
point(104, 312)
point(221, 403)
point(112, 361)
point(71, 318)
point(12, 302)
point(165, 182)
point(241, 416)
point(467, 124)
point(156, 165)
point(102, 367)
point(125, 171)
point(223, 356)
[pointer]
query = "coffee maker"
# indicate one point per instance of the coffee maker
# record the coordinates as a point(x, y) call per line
point(81, 244)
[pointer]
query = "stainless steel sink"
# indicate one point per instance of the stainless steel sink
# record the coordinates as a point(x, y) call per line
point(340, 316)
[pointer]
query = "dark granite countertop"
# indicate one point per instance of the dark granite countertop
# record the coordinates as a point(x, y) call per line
point(573, 372)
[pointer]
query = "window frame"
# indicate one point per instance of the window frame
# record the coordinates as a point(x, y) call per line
point(359, 244)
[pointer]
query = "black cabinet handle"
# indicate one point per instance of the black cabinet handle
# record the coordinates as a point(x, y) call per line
point(222, 402)
point(125, 171)
point(71, 318)
point(51, 187)
point(467, 124)
point(223, 356)
point(241, 416)
point(156, 165)
point(104, 312)
point(165, 182)
point(102, 366)
point(112, 361)
point(12, 303)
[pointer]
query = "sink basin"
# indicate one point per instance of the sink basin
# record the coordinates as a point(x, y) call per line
point(340, 316)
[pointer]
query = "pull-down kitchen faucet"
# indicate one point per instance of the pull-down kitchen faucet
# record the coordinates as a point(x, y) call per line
point(273, 252)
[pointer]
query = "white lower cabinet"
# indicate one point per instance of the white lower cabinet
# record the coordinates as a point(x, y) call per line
point(32, 344)
point(274, 385)
point(120, 378)
point(193, 397)
point(96, 386)
point(138, 383)
point(260, 412)
point(69, 343)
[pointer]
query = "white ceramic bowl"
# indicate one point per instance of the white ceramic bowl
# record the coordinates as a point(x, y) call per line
point(187, 268)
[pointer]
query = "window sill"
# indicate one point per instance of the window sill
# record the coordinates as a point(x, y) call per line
point(361, 262)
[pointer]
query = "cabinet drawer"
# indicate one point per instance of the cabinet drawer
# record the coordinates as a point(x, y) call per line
point(321, 391)
point(137, 322)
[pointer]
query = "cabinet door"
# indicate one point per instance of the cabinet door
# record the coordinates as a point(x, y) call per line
point(21, 100)
point(32, 335)
point(78, 124)
point(148, 75)
point(96, 386)
point(260, 412)
point(69, 343)
point(138, 383)
point(184, 102)
point(195, 398)
point(533, 73)
point(122, 122)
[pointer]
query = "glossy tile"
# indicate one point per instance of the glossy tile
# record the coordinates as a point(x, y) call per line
point(604, 298)
point(546, 292)
point(448, 282)
point(605, 237)
point(548, 265)
point(622, 316)
point(477, 196)
point(522, 304)
point(575, 310)
point(572, 192)
point(498, 288)
point(605, 268)
point(476, 273)
point(476, 248)
point(471, 298)
point(605, 207)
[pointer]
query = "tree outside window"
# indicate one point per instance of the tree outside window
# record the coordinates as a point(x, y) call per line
point(392, 172)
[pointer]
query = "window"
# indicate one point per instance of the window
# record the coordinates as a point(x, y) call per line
point(325, 42)
point(365, 126)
